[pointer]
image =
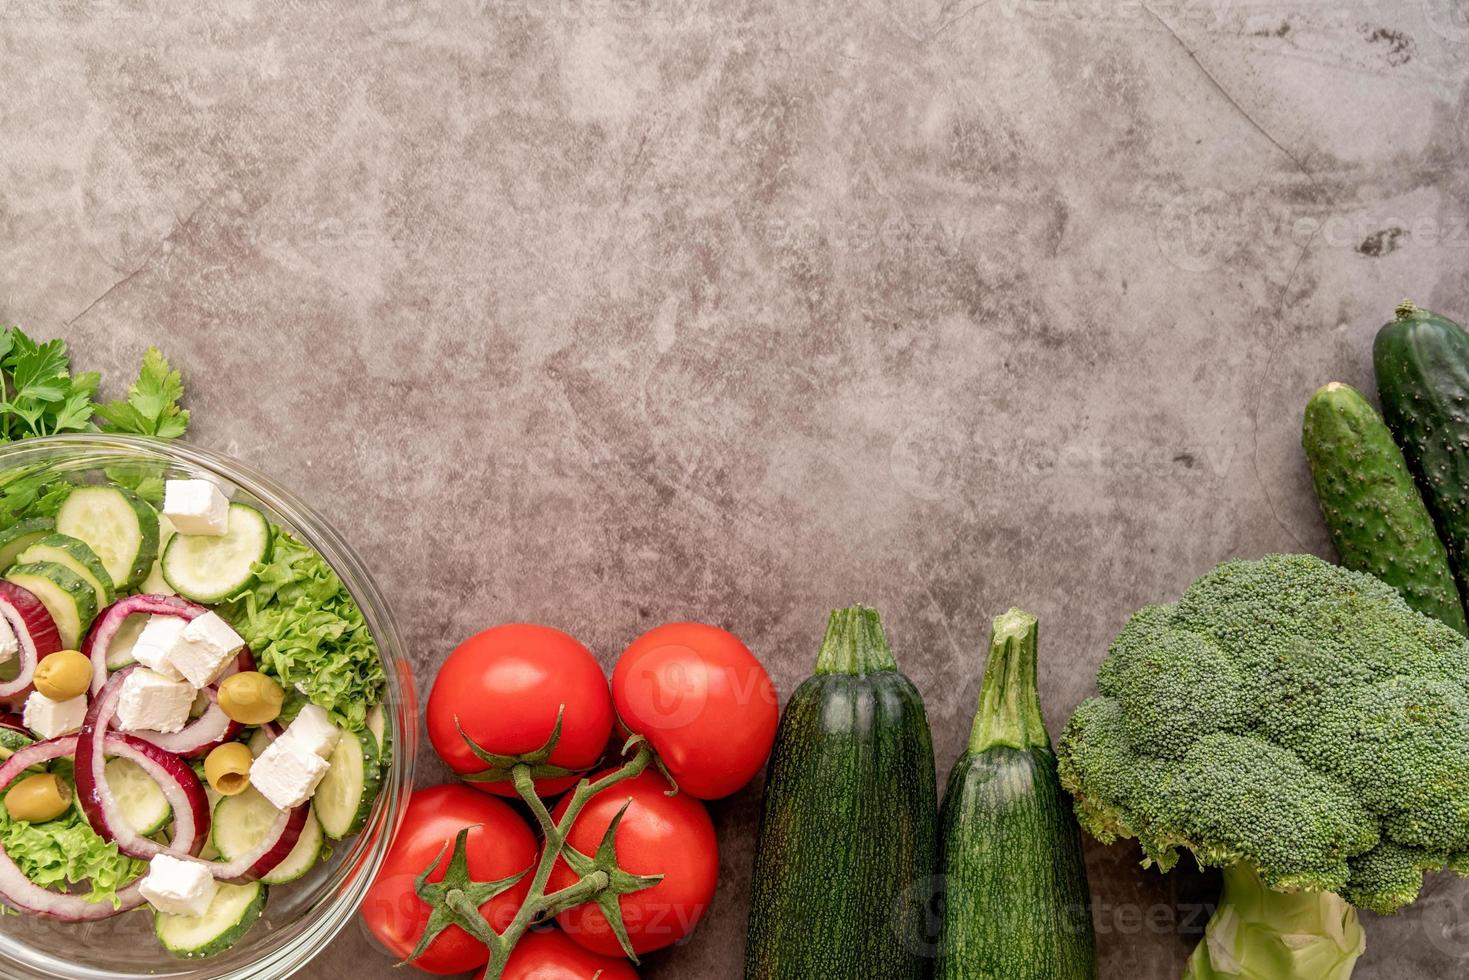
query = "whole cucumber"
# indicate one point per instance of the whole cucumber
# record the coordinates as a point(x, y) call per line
point(1372, 508)
point(1422, 365)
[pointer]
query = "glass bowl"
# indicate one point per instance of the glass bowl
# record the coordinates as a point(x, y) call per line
point(301, 917)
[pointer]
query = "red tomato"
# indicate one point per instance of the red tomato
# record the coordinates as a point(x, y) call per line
point(498, 847)
point(668, 835)
point(504, 687)
point(549, 955)
point(704, 703)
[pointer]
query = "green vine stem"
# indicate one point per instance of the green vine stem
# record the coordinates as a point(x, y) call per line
point(456, 899)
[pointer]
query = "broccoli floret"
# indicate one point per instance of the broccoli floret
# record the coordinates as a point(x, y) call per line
point(1288, 715)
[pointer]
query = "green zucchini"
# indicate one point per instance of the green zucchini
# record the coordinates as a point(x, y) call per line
point(1422, 364)
point(846, 843)
point(1372, 508)
point(1016, 904)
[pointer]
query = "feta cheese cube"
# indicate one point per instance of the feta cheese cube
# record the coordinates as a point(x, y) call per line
point(178, 887)
point(313, 732)
point(9, 645)
point(49, 718)
point(286, 774)
point(203, 648)
point(153, 645)
point(150, 701)
point(196, 507)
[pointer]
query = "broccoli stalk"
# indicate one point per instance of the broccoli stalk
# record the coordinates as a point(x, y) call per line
point(1259, 933)
point(1298, 725)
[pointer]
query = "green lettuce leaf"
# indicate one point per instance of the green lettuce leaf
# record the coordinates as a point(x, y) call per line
point(67, 851)
point(305, 629)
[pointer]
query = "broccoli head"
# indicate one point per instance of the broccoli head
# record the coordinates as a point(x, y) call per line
point(1286, 714)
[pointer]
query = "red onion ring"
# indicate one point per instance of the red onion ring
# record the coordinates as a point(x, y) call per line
point(210, 729)
point(35, 632)
point(105, 628)
point(180, 785)
point(18, 891)
point(277, 844)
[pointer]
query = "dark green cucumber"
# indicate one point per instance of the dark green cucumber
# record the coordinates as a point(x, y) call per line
point(1372, 507)
point(1422, 365)
point(1015, 900)
point(846, 845)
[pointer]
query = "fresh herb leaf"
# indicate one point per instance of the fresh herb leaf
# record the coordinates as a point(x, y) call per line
point(39, 396)
point(152, 406)
point(147, 480)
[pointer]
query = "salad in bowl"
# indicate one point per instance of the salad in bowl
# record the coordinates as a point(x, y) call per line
point(206, 726)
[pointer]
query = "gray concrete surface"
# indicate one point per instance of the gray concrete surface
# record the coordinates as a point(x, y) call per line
point(605, 312)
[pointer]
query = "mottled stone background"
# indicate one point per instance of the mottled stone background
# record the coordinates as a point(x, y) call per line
point(605, 312)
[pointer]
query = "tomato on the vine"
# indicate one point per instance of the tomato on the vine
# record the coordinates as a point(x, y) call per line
point(504, 687)
point(704, 703)
point(499, 844)
point(549, 955)
point(660, 834)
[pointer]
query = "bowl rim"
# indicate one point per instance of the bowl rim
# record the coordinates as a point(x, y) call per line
point(329, 912)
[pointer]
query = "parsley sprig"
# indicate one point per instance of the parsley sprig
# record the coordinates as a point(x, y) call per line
point(39, 396)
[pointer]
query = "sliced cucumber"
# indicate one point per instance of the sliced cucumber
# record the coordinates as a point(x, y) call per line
point(377, 724)
point(206, 568)
point(234, 910)
point(120, 651)
point(66, 595)
point(155, 583)
point(120, 527)
point(241, 822)
point(20, 536)
point(344, 798)
point(142, 803)
point(258, 742)
point(209, 852)
point(76, 555)
point(303, 856)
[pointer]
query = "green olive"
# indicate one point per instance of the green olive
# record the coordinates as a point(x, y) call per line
point(63, 675)
point(35, 799)
point(228, 768)
point(251, 698)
